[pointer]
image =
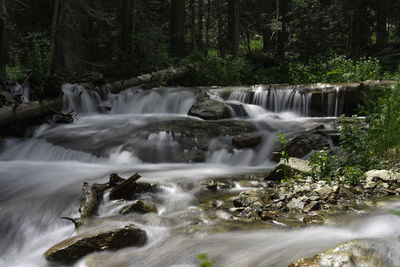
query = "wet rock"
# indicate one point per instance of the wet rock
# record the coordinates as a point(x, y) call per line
point(138, 206)
point(250, 213)
point(295, 166)
point(253, 198)
point(345, 193)
point(313, 218)
point(210, 185)
point(302, 144)
point(313, 205)
point(349, 254)
point(324, 192)
point(207, 108)
point(298, 203)
point(268, 215)
point(246, 140)
point(76, 247)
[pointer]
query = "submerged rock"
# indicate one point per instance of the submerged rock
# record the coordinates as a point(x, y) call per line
point(246, 140)
point(349, 254)
point(138, 206)
point(207, 108)
point(294, 166)
point(76, 247)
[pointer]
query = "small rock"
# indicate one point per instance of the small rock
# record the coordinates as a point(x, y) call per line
point(251, 198)
point(324, 191)
point(268, 215)
point(345, 193)
point(313, 205)
point(138, 206)
point(210, 185)
point(313, 218)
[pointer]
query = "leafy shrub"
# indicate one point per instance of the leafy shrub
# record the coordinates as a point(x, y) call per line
point(355, 141)
point(352, 175)
point(204, 261)
point(39, 64)
point(335, 69)
point(285, 157)
point(323, 165)
point(384, 124)
point(15, 72)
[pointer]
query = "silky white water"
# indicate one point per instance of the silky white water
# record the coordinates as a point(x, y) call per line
point(41, 178)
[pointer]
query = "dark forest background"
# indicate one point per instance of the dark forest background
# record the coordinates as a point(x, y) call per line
point(229, 41)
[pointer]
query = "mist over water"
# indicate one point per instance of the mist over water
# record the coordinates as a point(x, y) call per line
point(136, 131)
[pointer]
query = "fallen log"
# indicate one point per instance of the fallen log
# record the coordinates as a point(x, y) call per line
point(157, 78)
point(124, 188)
point(27, 113)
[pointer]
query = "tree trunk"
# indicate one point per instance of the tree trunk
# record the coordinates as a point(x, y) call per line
point(267, 34)
point(381, 32)
point(3, 40)
point(208, 26)
point(282, 36)
point(133, 25)
point(177, 28)
point(192, 24)
point(53, 35)
point(200, 24)
point(233, 26)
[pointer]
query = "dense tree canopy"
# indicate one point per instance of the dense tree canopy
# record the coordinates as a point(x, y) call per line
point(129, 37)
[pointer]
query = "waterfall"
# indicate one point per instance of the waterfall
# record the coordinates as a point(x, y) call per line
point(321, 100)
point(129, 101)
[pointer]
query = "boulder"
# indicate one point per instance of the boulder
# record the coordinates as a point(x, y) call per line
point(246, 140)
point(138, 206)
point(350, 254)
point(207, 108)
point(302, 144)
point(382, 175)
point(294, 166)
point(78, 246)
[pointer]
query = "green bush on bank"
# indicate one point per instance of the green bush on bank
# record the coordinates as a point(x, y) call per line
point(335, 70)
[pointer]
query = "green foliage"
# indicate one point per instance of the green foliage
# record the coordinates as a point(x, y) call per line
point(384, 124)
point(323, 165)
point(39, 62)
point(204, 261)
point(355, 141)
point(335, 70)
point(215, 70)
point(285, 157)
point(352, 175)
point(15, 73)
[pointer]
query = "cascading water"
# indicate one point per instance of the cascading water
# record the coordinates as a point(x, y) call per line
point(149, 132)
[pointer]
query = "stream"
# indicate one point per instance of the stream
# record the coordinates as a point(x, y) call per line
point(144, 131)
